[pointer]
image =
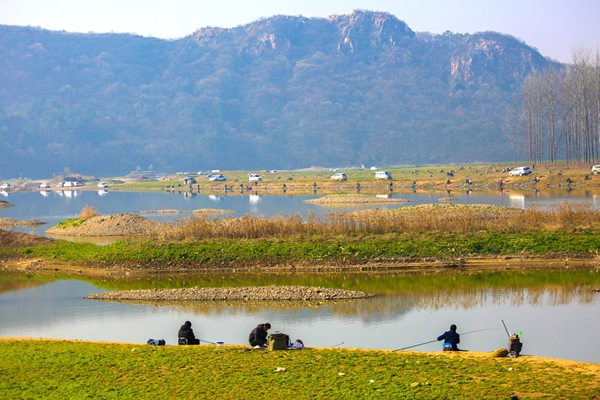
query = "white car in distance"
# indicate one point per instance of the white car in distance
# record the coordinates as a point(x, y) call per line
point(217, 177)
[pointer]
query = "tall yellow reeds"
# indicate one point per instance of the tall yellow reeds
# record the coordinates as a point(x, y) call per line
point(452, 219)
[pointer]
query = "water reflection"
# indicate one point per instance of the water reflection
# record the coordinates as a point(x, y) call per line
point(406, 313)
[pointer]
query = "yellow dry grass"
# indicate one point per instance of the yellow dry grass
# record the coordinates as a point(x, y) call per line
point(449, 218)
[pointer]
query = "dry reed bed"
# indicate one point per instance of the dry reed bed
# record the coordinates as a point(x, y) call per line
point(448, 218)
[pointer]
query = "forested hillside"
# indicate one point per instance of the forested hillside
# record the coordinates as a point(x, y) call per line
point(282, 92)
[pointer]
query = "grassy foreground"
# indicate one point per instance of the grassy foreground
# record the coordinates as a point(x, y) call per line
point(63, 369)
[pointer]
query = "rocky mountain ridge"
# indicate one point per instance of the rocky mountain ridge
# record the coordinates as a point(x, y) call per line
point(281, 92)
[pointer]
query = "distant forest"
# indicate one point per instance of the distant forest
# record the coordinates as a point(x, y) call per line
point(279, 93)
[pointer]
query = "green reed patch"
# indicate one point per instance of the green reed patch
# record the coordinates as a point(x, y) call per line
point(71, 223)
point(315, 247)
point(40, 369)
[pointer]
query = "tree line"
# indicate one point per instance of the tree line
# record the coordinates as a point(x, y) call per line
point(557, 115)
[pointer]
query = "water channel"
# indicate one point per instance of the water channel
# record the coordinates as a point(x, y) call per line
point(557, 312)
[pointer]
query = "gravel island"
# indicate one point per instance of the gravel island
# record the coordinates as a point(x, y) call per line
point(244, 293)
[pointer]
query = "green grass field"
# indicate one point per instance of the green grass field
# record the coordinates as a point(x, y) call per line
point(78, 370)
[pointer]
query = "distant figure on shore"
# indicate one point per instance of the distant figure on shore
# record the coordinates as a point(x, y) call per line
point(258, 336)
point(284, 188)
point(451, 339)
point(186, 334)
point(357, 187)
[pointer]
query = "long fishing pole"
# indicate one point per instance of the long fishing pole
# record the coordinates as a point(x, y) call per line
point(206, 341)
point(505, 327)
point(339, 344)
point(433, 341)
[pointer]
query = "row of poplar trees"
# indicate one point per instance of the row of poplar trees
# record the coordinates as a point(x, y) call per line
point(558, 112)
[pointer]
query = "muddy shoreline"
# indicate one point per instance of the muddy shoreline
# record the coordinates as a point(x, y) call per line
point(479, 264)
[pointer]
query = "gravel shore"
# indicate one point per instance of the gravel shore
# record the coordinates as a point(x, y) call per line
point(246, 293)
point(354, 199)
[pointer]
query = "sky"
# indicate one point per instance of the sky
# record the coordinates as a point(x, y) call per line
point(554, 27)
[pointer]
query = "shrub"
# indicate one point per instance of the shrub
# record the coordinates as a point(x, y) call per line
point(88, 212)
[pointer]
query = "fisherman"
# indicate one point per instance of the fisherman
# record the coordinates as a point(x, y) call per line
point(451, 339)
point(186, 332)
point(258, 336)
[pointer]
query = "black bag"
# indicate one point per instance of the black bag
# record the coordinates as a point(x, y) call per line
point(514, 346)
point(278, 341)
point(157, 342)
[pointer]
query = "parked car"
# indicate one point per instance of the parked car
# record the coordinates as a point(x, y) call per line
point(44, 185)
point(383, 175)
point(68, 184)
point(77, 183)
point(254, 177)
point(189, 180)
point(217, 177)
point(339, 177)
point(202, 172)
point(102, 185)
point(5, 186)
point(520, 171)
point(60, 184)
point(596, 169)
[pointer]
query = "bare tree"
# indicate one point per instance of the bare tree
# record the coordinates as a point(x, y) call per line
point(512, 124)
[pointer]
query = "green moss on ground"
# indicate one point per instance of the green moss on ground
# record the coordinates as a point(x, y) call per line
point(42, 369)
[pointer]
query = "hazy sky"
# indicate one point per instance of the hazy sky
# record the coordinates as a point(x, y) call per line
point(554, 27)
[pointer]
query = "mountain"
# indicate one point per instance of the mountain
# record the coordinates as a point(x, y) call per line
point(282, 92)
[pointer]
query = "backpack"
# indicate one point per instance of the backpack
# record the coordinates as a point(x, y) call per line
point(157, 342)
point(278, 341)
point(514, 346)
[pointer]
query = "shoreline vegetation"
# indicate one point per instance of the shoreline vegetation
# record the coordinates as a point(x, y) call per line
point(124, 370)
point(433, 236)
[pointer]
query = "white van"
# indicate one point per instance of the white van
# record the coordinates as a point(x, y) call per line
point(254, 177)
point(383, 175)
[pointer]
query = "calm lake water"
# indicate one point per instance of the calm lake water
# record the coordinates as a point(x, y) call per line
point(558, 318)
point(55, 206)
point(557, 321)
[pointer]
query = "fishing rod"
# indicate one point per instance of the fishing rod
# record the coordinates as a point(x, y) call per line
point(206, 341)
point(520, 332)
point(433, 341)
point(339, 344)
point(505, 327)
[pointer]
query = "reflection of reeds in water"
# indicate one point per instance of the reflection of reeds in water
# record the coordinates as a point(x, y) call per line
point(14, 285)
point(390, 306)
point(434, 218)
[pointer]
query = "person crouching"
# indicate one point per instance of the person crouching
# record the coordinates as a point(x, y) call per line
point(258, 336)
point(186, 334)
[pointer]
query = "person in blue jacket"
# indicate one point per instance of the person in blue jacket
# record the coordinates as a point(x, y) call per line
point(451, 339)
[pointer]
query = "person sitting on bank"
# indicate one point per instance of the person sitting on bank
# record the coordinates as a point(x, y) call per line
point(186, 332)
point(258, 336)
point(451, 339)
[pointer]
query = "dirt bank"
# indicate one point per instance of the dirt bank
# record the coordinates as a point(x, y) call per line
point(111, 225)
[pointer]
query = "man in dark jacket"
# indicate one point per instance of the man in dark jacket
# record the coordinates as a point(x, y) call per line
point(187, 332)
point(451, 339)
point(258, 336)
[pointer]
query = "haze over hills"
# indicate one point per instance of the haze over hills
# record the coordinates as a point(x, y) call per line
point(283, 92)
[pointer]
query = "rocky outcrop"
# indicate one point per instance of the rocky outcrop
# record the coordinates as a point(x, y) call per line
point(485, 57)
